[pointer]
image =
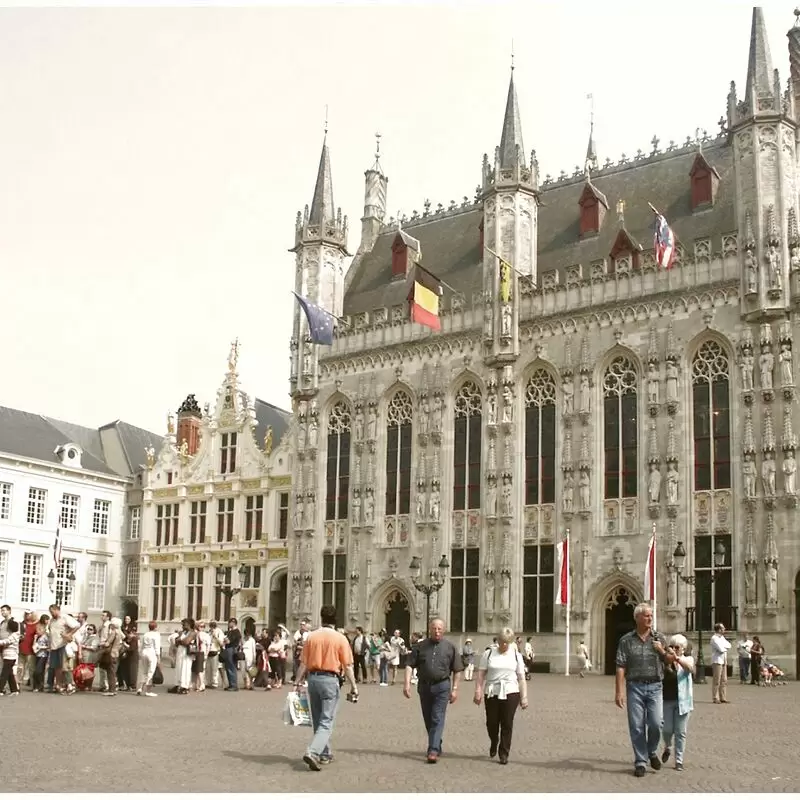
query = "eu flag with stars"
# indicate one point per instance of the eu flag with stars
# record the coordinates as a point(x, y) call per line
point(320, 321)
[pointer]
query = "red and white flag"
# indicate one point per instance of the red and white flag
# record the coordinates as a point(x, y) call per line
point(562, 590)
point(664, 243)
point(650, 572)
point(57, 549)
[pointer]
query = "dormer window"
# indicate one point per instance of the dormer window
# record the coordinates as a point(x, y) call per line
point(704, 182)
point(405, 253)
point(624, 254)
point(593, 205)
point(69, 454)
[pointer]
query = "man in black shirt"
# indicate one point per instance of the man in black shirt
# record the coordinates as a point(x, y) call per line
point(435, 659)
point(233, 640)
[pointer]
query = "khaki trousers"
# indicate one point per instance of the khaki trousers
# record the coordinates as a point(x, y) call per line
point(719, 683)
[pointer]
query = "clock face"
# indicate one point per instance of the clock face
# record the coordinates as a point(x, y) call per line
point(72, 453)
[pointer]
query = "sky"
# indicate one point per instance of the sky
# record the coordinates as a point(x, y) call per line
point(153, 160)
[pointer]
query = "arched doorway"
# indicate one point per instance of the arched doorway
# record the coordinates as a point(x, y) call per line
point(248, 625)
point(277, 599)
point(130, 608)
point(797, 626)
point(618, 622)
point(398, 616)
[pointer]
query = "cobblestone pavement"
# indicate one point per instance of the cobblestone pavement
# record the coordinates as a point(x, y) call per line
point(571, 738)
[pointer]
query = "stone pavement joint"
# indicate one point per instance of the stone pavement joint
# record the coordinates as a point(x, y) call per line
point(572, 738)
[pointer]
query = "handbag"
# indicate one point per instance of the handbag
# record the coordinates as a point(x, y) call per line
point(252, 671)
point(158, 676)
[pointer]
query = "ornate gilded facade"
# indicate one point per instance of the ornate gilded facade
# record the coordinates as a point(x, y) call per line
point(596, 393)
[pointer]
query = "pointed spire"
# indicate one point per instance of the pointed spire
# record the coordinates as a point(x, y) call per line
point(770, 546)
point(750, 556)
point(789, 439)
point(749, 440)
point(653, 457)
point(591, 152)
point(769, 433)
point(652, 350)
point(512, 150)
point(322, 208)
point(566, 451)
point(672, 450)
point(759, 66)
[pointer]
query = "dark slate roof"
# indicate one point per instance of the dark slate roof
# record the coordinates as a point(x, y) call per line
point(36, 436)
point(266, 415)
point(450, 242)
point(134, 442)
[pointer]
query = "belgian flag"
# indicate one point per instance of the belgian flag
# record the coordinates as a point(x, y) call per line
point(423, 299)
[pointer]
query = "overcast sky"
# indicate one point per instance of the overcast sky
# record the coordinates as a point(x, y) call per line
point(152, 160)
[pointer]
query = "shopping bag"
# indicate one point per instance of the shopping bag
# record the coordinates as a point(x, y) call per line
point(158, 676)
point(296, 710)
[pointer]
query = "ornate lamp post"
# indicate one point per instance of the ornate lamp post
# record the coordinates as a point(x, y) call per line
point(59, 588)
point(436, 580)
point(229, 591)
point(679, 560)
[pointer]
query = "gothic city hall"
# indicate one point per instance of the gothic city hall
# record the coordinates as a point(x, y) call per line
point(520, 367)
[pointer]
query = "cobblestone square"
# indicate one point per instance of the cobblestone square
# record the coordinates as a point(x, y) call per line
point(571, 738)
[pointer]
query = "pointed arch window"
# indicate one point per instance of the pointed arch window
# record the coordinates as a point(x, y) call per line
point(467, 450)
point(338, 463)
point(540, 439)
point(620, 428)
point(711, 413)
point(398, 454)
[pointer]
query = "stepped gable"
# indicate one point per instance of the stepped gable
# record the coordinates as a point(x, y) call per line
point(450, 241)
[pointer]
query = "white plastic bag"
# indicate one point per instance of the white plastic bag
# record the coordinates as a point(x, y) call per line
point(296, 710)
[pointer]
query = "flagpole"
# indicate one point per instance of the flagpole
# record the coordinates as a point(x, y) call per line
point(655, 573)
point(569, 603)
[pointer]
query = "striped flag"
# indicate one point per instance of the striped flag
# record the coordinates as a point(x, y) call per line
point(650, 572)
point(664, 243)
point(562, 590)
point(424, 299)
point(57, 549)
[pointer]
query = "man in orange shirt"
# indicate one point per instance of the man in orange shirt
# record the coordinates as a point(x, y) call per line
point(326, 656)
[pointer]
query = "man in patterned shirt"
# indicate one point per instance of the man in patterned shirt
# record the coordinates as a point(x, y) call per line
point(641, 655)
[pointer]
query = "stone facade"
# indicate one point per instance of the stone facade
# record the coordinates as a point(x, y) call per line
point(585, 390)
point(225, 505)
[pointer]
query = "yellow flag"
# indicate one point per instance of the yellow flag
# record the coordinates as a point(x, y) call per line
point(505, 281)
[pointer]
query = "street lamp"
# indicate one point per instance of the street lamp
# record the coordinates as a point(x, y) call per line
point(59, 588)
point(229, 591)
point(436, 578)
point(679, 560)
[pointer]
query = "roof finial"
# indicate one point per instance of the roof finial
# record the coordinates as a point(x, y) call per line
point(377, 147)
point(797, 18)
point(621, 211)
point(591, 154)
point(399, 224)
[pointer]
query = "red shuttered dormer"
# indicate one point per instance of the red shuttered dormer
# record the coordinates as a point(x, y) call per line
point(593, 205)
point(704, 182)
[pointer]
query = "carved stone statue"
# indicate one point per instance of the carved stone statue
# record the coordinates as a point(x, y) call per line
point(746, 366)
point(313, 429)
point(372, 424)
point(438, 408)
point(654, 484)
point(184, 452)
point(672, 382)
point(507, 499)
point(268, 441)
point(506, 315)
point(766, 363)
point(299, 511)
point(749, 473)
point(774, 259)
point(505, 591)
point(584, 490)
point(301, 435)
point(794, 259)
point(488, 593)
point(569, 493)
point(170, 423)
point(295, 596)
point(750, 597)
point(369, 508)
point(307, 359)
point(672, 588)
point(310, 510)
point(568, 388)
point(150, 457)
point(307, 587)
point(424, 416)
point(421, 498)
point(436, 503)
point(491, 408)
point(586, 394)
point(508, 404)
point(768, 474)
point(785, 359)
point(233, 356)
point(491, 497)
point(751, 272)
point(672, 483)
point(789, 474)
point(354, 596)
point(359, 425)
point(771, 581)
point(652, 383)
point(356, 506)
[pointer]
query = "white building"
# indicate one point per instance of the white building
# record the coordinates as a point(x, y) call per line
point(59, 476)
point(208, 539)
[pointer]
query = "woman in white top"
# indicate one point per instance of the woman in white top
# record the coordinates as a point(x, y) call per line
point(501, 680)
point(149, 653)
point(249, 650)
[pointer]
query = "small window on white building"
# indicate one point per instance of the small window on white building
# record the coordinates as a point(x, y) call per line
point(5, 500)
point(70, 503)
point(102, 511)
point(97, 585)
point(63, 587)
point(31, 587)
point(136, 521)
point(132, 579)
point(37, 503)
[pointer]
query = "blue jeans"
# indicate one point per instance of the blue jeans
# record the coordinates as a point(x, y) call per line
point(384, 671)
point(323, 700)
point(645, 715)
point(229, 660)
point(434, 698)
point(744, 668)
point(675, 724)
